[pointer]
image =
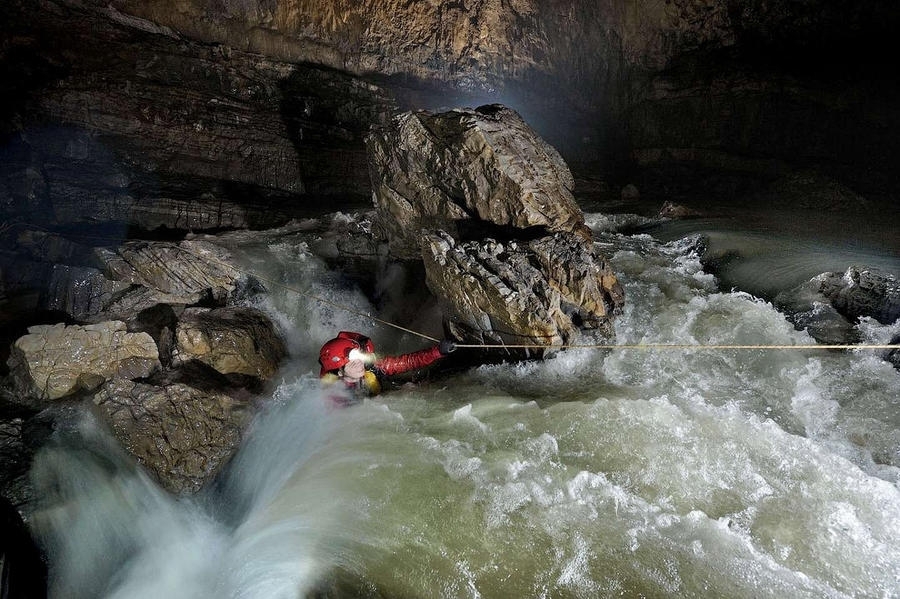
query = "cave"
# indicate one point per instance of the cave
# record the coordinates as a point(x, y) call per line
point(777, 121)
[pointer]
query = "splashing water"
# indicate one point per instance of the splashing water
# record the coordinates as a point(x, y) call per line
point(593, 473)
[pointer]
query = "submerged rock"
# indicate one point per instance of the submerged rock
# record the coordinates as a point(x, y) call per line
point(542, 292)
point(181, 435)
point(232, 340)
point(54, 361)
point(466, 168)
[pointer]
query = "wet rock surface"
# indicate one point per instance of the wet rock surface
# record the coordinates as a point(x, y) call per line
point(233, 340)
point(54, 361)
point(181, 435)
point(543, 292)
point(863, 292)
point(121, 307)
point(830, 305)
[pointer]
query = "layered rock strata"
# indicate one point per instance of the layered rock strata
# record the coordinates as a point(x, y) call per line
point(487, 205)
point(543, 292)
point(467, 169)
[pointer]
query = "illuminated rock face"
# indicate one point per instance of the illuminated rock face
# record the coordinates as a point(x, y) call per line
point(487, 205)
point(466, 168)
point(54, 361)
point(232, 340)
point(541, 292)
point(182, 436)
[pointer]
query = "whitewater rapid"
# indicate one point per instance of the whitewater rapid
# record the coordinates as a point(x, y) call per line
point(698, 473)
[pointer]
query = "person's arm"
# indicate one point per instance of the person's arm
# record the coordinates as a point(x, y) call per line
point(390, 365)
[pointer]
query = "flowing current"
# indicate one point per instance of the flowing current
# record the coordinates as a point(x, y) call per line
point(635, 473)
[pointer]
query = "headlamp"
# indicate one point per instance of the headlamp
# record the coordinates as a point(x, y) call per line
point(358, 354)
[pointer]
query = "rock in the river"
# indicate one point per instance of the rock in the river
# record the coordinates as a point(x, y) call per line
point(53, 361)
point(187, 269)
point(829, 305)
point(893, 356)
point(862, 292)
point(116, 284)
point(234, 340)
point(181, 435)
point(541, 292)
point(464, 168)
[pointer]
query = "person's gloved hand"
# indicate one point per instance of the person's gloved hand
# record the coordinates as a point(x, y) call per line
point(447, 347)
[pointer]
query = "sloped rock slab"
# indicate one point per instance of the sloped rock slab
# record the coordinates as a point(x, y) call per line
point(181, 435)
point(234, 340)
point(54, 361)
point(184, 269)
point(542, 292)
point(438, 171)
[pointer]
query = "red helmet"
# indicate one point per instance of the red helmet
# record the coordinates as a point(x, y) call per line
point(336, 353)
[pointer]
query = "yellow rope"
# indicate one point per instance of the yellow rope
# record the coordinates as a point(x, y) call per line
point(720, 346)
point(642, 346)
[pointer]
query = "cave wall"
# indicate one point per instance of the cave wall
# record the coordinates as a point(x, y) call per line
point(245, 112)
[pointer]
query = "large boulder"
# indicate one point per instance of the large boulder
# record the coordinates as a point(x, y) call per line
point(539, 292)
point(466, 168)
point(181, 435)
point(233, 340)
point(862, 292)
point(54, 361)
point(829, 305)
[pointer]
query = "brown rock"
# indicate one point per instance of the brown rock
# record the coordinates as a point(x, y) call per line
point(181, 435)
point(53, 361)
point(232, 340)
point(543, 292)
point(448, 170)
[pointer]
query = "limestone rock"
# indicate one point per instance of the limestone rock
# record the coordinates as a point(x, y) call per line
point(181, 435)
point(463, 167)
point(184, 269)
point(862, 292)
point(542, 292)
point(53, 361)
point(232, 340)
point(828, 305)
point(82, 293)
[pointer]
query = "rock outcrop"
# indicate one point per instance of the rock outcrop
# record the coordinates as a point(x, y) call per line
point(180, 134)
point(862, 292)
point(54, 361)
point(466, 169)
point(117, 284)
point(541, 292)
point(487, 205)
point(232, 340)
point(829, 305)
point(181, 435)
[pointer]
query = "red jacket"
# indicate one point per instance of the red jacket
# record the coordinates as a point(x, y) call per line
point(390, 365)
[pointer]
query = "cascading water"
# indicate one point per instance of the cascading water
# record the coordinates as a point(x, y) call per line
point(655, 473)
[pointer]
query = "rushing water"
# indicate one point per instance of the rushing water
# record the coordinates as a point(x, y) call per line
point(652, 473)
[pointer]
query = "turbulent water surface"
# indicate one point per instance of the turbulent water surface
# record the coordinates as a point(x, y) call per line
point(656, 473)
